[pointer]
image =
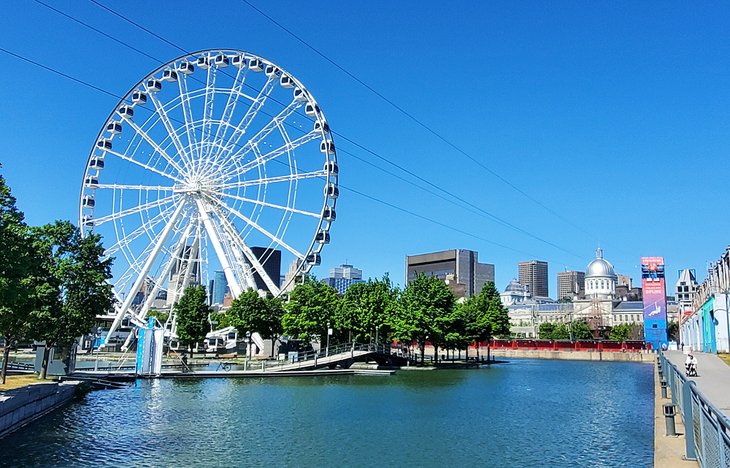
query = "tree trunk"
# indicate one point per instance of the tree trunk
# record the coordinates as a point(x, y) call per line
point(423, 352)
point(6, 356)
point(191, 350)
point(273, 343)
point(489, 347)
point(435, 354)
point(477, 346)
point(467, 353)
point(44, 362)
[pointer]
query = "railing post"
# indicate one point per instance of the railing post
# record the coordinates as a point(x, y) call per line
point(689, 433)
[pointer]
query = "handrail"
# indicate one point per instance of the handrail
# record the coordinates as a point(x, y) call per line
point(707, 437)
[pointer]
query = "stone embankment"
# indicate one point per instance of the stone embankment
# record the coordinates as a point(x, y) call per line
point(20, 406)
point(645, 357)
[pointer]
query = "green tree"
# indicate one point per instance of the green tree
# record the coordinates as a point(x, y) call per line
point(672, 330)
point(311, 306)
point(495, 322)
point(561, 332)
point(272, 327)
point(424, 305)
point(17, 265)
point(366, 306)
point(620, 332)
point(581, 330)
point(192, 312)
point(250, 312)
point(75, 287)
point(546, 331)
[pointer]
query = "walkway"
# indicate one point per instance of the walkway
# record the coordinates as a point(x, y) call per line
point(713, 378)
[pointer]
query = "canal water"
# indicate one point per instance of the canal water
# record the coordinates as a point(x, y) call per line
point(520, 413)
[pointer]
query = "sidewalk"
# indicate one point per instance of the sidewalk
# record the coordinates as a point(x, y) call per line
point(713, 378)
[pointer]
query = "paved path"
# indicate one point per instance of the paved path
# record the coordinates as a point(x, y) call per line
point(713, 378)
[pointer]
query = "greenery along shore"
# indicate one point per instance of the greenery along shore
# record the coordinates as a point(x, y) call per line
point(425, 311)
point(53, 281)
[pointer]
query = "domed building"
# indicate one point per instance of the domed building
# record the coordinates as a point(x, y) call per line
point(600, 282)
point(514, 293)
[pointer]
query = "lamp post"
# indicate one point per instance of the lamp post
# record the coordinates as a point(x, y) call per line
point(376, 337)
point(248, 350)
point(329, 332)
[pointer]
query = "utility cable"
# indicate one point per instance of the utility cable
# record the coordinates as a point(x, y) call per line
point(415, 119)
point(339, 135)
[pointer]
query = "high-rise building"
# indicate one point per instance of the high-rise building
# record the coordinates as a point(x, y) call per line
point(218, 288)
point(344, 276)
point(185, 272)
point(460, 266)
point(534, 275)
point(271, 261)
point(571, 284)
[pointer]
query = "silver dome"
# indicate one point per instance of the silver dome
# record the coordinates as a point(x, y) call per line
point(600, 268)
point(515, 286)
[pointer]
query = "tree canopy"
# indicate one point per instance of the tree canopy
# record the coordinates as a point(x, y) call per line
point(312, 305)
point(192, 312)
point(74, 289)
point(366, 306)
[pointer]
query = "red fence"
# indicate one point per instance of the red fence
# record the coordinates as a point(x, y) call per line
point(560, 345)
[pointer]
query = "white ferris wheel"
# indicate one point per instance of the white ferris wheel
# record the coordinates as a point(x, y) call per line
point(218, 161)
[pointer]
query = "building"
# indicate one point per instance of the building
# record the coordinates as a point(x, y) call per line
point(270, 259)
point(460, 267)
point(707, 326)
point(344, 276)
point(534, 275)
point(185, 271)
point(600, 308)
point(571, 285)
point(218, 287)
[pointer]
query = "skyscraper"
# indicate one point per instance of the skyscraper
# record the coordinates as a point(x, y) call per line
point(571, 284)
point(271, 261)
point(218, 290)
point(534, 275)
point(460, 264)
point(344, 276)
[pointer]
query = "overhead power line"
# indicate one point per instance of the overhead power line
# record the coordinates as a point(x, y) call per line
point(415, 119)
point(479, 209)
point(355, 191)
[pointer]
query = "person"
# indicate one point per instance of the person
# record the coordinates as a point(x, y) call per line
point(690, 364)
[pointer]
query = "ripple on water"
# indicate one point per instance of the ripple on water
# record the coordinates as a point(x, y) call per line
point(523, 413)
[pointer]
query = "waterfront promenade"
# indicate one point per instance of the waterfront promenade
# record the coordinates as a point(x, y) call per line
point(713, 378)
point(712, 383)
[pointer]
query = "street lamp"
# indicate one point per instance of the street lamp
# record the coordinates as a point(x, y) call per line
point(329, 332)
point(248, 349)
point(376, 337)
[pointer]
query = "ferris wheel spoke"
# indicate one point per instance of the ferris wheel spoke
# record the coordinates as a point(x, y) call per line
point(233, 283)
point(265, 131)
point(241, 244)
point(171, 131)
point(208, 108)
point(155, 146)
point(262, 230)
point(231, 103)
point(141, 188)
point(275, 153)
point(144, 166)
point(252, 111)
point(149, 225)
point(274, 180)
point(182, 83)
point(134, 210)
point(271, 205)
point(160, 241)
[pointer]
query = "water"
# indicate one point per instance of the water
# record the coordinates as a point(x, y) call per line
point(522, 413)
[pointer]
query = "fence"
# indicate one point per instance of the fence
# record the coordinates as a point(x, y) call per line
point(707, 437)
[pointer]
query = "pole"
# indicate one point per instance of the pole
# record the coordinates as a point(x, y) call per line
point(329, 332)
point(376, 338)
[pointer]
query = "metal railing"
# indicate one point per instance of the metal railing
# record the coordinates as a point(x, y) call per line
point(707, 429)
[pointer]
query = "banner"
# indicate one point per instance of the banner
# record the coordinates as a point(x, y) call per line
point(655, 301)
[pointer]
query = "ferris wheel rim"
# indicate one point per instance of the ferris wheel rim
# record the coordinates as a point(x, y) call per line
point(323, 224)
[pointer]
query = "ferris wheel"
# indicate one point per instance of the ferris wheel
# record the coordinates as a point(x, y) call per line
point(217, 164)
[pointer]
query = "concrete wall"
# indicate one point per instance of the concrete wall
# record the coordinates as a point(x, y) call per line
point(20, 406)
point(573, 355)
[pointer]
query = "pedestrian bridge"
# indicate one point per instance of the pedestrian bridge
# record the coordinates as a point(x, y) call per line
point(343, 356)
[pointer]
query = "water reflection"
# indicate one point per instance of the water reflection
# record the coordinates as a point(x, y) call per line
point(524, 413)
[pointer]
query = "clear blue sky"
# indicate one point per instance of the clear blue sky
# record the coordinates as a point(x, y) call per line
point(614, 115)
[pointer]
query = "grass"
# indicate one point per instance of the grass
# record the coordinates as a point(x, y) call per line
point(17, 381)
point(725, 357)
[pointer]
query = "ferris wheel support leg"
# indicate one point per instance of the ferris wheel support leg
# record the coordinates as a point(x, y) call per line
point(145, 269)
point(232, 281)
point(156, 288)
